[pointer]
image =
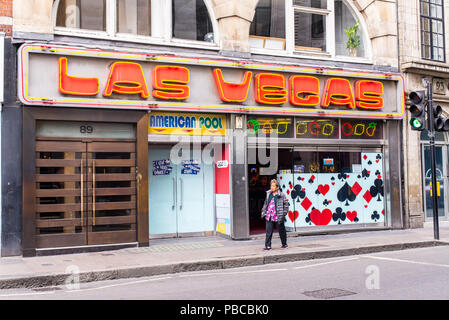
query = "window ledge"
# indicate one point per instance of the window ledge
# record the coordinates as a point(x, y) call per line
point(424, 66)
point(136, 39)
point(311, 55)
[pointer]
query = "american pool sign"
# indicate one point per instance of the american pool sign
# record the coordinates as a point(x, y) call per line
point(81, 77)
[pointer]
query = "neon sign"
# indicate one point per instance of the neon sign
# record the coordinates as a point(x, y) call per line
point(171, 82)
point(360, 129)
point(270, 126)
point(316, 128)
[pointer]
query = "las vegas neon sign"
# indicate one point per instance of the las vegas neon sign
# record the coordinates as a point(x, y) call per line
point(171, 82)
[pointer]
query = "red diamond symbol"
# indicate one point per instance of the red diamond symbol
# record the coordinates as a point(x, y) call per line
point(306, 203)
point(367, 196)
point(365, 157)
point(356, 188)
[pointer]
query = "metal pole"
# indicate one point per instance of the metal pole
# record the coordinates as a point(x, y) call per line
point(431, 132)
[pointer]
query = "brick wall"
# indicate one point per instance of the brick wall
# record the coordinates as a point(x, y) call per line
point(6, 16)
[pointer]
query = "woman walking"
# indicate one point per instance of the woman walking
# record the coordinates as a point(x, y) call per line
point(274, 210)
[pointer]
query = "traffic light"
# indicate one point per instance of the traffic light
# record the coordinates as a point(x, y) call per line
point(440, 123)
point(418, 110)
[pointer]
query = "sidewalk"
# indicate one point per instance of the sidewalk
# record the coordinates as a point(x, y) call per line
point(191, 254)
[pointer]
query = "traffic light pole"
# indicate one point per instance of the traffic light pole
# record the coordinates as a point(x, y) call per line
point(431, 132)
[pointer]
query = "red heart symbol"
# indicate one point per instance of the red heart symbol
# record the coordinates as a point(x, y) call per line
point(288, 192)
point(321, 218)
point(293, 215)
point(377, 161)
point(280, 178)
point(351, 215)
point(323, 189)
point(366, 206)
point(303, 189)
point(330, 201)
point(333, 183)
point(302, 179)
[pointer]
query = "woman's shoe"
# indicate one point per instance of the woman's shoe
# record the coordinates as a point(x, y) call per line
point(267, 248)
point(284, 246)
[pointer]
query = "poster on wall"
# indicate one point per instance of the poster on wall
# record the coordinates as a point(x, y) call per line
point(321, 199)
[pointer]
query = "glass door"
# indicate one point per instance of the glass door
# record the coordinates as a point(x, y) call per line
point(427, 183)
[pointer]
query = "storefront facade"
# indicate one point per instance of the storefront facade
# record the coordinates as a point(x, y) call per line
point(158, 119)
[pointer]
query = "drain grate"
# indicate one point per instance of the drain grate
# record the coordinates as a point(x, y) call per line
point(328, 293)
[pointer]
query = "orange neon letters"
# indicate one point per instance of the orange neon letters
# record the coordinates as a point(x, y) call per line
point(80, 86)
point(170, 82)
point(269, 88)
point(126, 78)
point(230, 91)
point(307, 87)
point(338, 91)
point(368, 94)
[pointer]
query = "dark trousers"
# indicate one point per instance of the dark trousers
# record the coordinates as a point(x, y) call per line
point(269, 229)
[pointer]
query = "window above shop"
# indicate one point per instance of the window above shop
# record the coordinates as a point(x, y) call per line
point(331, 28)
point(184, 22)
point(432, 30)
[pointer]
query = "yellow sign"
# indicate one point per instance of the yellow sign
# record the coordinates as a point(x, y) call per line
point(438, 189)
point(197, 124)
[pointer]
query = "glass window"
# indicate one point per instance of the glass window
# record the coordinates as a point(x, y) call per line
point(82, 14)
point(191, 20)
point(310, 31)
point(344, 19)
point(432, 30)
point(134, 16)
point(267, 29)
point(313, 128)
point(269, 126)
point(361, 129)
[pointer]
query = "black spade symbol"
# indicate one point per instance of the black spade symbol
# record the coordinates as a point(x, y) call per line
point(345, 194)
point(333, 178)
point(370, 162)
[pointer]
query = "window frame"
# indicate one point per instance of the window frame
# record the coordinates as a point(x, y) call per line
point(330, 53)
point(163, 27)
point(421, 29)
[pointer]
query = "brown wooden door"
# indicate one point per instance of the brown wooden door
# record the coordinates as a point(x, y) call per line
point(85, 193)
point(111, 192)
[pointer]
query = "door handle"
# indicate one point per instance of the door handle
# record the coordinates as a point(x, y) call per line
point(174, 194)
point(182, 193)
point(93, 192)
point(82, 193)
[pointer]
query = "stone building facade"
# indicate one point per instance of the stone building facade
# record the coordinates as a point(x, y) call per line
point(269, 39)
point(423, 54)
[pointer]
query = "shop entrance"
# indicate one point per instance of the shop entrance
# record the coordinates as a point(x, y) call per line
point(325, 186)
point(181, 193)
point(259, 183)
point(85, 192)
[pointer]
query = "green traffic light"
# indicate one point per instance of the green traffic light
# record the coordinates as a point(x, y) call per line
point(415, 123)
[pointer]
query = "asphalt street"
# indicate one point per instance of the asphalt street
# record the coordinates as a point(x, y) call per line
point(407, 274)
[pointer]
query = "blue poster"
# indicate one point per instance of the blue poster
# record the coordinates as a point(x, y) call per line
point(161, 167)
point(190, 167)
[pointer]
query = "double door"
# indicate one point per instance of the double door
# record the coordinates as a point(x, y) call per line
point(85, 192)
point(180, 193)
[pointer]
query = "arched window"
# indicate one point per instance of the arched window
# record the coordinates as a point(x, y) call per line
point(82, 14)
point(309, 26)
point(131, 19)
point(190, 20)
